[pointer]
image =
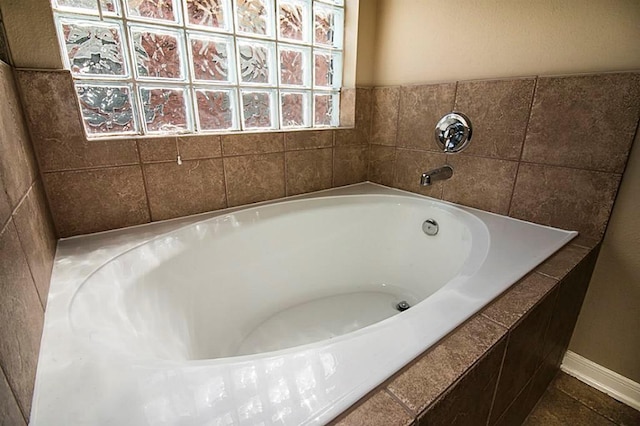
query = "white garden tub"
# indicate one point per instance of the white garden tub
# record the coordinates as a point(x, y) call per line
point(281, 313)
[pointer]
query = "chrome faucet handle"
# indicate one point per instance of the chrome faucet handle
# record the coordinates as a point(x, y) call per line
point(453, 132)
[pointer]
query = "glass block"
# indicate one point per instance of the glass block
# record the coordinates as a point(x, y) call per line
point(254, 17)
point(165, 109)
point(327, 68)
point(211, 57)
point(336, 2)
point(216, 109)
point(93, 48)
point(294, 109)
point(156, 10)
point(295, 69)
point(293, 20)
point(106, 109)
point(257, 109)
point(256, 62)
point(325, 109)
point(328, 26)
point(89, 5)
point(210, 14)
point(158, 54)
point(109, 7)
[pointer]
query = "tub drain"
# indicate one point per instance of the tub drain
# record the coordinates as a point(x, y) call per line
point(403, 306)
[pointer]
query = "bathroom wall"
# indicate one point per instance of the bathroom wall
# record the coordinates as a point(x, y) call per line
point(501, 39)
point(607, 330)
point(27, 247)
point(424, 41)
point(100, 185)
point(105, 184)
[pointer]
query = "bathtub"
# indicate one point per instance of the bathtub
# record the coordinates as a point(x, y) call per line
point(280, 313)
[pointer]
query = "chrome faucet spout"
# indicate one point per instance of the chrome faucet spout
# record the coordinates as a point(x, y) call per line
point(442, 173)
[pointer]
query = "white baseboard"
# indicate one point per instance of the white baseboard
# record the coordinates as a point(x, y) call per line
point(613, 384)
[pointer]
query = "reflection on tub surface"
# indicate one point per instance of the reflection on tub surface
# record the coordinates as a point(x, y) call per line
point(283, 313)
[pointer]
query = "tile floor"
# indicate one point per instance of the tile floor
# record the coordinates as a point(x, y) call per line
point(568, 401)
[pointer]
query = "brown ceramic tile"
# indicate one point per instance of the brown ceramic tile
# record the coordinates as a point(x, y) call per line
point(21, 319)
point(157, 149)
point(483, 183)
point(420, 384)
point(558, 409)
point(519, 299)
point(541, 381)
point(499, 111)
point(309, 170)
point(38, 238)
point(53, 116)
point(411, 164)
point(175, 190)
point(571, 292)
point(199, 147)
point(599, 402)
point(421, 107)
point(9, 410)
point(190, 147)
point(469, 402)
point(350, 165)
point(586, 242)
point(308, 139)
point(524, 354)
point(563, 261)
point(379, 410)
point(565, 198)
point(363, 113)
point(381, 164)
point(252, 143)
point(517, 411)
point(17, 163)
point(5, 205)
point(584, 121)
point(253, 178)
point(384, 116)
point(4, 46)
point(349, 137)
point(347, 107)
point(96, 200)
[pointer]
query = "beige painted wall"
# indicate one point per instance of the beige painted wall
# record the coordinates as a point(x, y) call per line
point(420, 41)
point(31, 33)
point(607, 329)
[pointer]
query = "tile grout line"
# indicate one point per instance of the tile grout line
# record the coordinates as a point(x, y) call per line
point(144, 182)
point(393, 396)
point(24, 252)
point(495, 390)
point(285, 168)
point(36, 156)
point(524, 140)
point(599, 414)
point(15, 397)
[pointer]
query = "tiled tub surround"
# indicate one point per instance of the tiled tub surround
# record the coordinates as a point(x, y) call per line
point(27, 248)
point(549, 150)
point(96, 185)
point(493, 369)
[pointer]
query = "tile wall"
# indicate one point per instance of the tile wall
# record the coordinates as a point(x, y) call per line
point(495, 367)
point(549, 150)
point(99, 185)
point(27, 248)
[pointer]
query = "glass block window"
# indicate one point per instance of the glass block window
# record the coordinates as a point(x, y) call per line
point(148, 67)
